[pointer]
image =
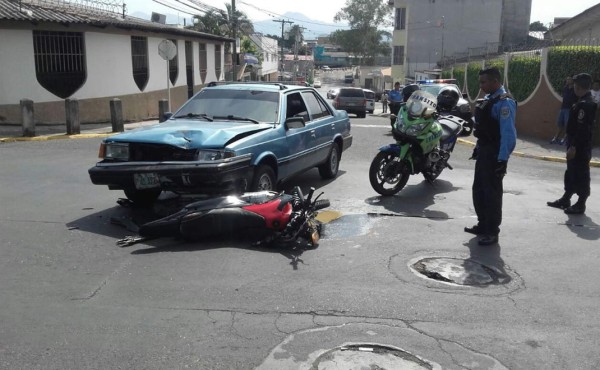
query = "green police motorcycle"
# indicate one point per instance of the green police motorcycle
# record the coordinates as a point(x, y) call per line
point(424, 141)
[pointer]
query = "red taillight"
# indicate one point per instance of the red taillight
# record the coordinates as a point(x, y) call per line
point(336, 102)
point(365, 102)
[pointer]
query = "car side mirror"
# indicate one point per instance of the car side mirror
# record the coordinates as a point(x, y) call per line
point(465, 96)
point(294, 122)
point(167, 115)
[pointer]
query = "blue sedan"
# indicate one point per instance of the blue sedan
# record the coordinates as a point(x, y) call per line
point(227, 138)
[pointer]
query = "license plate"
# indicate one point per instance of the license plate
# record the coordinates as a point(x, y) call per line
point(146, 180)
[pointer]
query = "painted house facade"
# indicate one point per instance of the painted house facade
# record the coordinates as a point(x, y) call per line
point(50, 53)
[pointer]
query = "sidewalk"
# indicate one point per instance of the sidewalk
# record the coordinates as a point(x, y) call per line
point(526, 147)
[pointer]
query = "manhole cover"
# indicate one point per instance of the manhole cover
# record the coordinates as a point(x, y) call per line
point(370, 357)
point(458, 271)
point(452, 272)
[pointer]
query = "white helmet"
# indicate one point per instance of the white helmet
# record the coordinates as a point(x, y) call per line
point(421, 104)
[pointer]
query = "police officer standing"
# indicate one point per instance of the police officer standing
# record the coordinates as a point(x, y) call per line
point(579, 147)
point(496, 139)
point(395, 101)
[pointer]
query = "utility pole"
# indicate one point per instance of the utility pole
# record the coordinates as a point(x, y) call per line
point(299, 30)
point(235, 53)
point(443, 26)
point(283, 22)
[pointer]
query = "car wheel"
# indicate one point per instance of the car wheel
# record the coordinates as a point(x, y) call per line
point(143, 198)
point(371, 112)
point(264, 179)
point(329, 169)
point(361, 115)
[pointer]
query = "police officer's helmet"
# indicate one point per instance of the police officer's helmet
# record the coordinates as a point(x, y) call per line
point(408, 90)
point(447, 99)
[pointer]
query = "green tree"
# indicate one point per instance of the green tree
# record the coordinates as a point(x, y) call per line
point(537, 26)
point(221, 23)
point(364, 39)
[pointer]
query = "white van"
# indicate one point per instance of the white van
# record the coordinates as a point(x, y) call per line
point(370, 96)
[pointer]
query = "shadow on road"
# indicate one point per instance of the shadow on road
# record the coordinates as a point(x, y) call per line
point(584, 227)
point(413, 200)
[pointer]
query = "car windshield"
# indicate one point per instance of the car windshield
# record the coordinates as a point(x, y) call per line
point(251, 105)
point(435, 89)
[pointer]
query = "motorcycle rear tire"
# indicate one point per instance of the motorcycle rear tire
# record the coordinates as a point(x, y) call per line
point(379, 178)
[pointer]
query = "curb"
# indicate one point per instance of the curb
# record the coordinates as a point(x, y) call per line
point(54, 137)
point(534, 156)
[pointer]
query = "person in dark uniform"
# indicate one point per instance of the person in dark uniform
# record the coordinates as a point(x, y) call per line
point(579, 147)
point(496, 139)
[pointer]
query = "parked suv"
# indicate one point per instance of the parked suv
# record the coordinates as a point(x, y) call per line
point(352, 100)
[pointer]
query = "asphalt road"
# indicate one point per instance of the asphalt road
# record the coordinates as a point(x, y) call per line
point(71, 299)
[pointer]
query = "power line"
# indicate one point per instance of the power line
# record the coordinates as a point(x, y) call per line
point(298, 20)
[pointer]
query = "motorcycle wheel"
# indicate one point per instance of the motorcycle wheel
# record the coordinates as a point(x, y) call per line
point(384, 179)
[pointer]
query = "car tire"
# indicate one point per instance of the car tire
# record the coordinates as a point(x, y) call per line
point(142, 198)
point(264, 179)
point(371, 112)
point(361, 115)
point(329, 169)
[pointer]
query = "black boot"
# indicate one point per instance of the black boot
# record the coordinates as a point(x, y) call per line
point(577, 208)
point(562, 203)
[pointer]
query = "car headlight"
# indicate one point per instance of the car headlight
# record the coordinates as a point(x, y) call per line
point(116, 151)
point(213, 155)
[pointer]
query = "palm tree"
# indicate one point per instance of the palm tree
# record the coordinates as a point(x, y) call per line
point(221, 23)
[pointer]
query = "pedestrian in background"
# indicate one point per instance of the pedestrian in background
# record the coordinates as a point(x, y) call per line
point(568, 99)
point(496, 139)
point(395, 102)
point(384, 101)
point(596, 91)
point(579, 147)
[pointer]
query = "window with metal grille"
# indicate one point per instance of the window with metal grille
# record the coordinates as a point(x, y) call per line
point(202, 63)
point(173, 64)
point(139, 59)
point(398, 55)
point(400, 19)
point(59, 61)
point(218, 61)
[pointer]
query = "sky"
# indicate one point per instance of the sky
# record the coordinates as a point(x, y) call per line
point(324, 10)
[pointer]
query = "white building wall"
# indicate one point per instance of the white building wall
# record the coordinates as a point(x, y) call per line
point(108, 67)
point(17, 69)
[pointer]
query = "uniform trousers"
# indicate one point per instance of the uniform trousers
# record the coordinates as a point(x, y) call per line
point(577, 175)
point(487, 190)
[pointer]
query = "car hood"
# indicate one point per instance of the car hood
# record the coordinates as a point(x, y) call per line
point(196, 134)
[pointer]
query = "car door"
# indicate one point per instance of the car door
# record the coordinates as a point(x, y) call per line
point(300, 141)
point(322, 124)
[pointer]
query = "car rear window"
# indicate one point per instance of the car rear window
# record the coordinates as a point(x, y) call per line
point(369, 95)
point(355, 93)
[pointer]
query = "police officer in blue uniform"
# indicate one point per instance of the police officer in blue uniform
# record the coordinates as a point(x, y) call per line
point(579, 147)
point(496, 139)
point(395, 102)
